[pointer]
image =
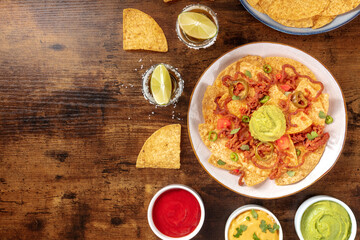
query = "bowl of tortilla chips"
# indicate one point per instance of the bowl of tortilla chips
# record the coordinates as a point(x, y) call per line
point(258, 120)
point(303, 17)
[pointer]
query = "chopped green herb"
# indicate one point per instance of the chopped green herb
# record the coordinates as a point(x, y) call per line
point(263, 226)
point(322, 115)
point(213, 136)
point(234, 131)
point(245, 147)
point(255, 237)
point(328, 119)
point(245, 119)
point(234, 97)
point(298, 152)
point(267, 68)
point(247, 218)
point(234, 157)
point(274, 228)
point(291, 173)
point(248, 74)
point(254, 214)
point(221, 162)
point(287, 93)
point(240, 230)
point(312, 135)
point(264, 99)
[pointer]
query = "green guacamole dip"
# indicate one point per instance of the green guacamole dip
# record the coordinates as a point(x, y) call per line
point(325, 220)
point(268, 123)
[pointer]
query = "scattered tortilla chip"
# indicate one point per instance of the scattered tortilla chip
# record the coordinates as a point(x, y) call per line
point(161, 149)
point(141, 32)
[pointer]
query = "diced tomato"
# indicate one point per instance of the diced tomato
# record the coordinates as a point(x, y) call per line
point(278, 76)
point(223, 123)
point(285, 87)
point(283, 142)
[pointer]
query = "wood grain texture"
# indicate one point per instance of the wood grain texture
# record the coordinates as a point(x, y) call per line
point(73, 119)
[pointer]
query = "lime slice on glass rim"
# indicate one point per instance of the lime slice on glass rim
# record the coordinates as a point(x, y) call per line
point(197, 25)
point(160, 85)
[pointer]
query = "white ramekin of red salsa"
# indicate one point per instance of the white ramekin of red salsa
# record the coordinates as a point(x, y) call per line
point(176, 212)
point(253, 222)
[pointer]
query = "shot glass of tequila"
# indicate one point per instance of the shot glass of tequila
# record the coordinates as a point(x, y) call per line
point(204, 16)
point(177, 85)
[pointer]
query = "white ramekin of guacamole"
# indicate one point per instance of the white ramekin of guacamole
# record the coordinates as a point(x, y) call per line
point(326, 218)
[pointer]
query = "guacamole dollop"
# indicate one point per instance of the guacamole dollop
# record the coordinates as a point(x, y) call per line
point(268, 123)
point(325, 220)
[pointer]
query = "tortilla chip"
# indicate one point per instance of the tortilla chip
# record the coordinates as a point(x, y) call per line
point(291, 151)
point(161, 149)
point(258, 8)
point(301, 23)
point(234, 107)
point(252, 180)
point(253, 2)
point(320, 104)
point(141, 32)
point(214, 161)
point(313, 88)
point(218, 147)
point(208, 104)
point(278, 62)
point(337, 7)
point(300, 119)
point(311, 161)
point(293, 9)
point(237, 66)
point(320, 21)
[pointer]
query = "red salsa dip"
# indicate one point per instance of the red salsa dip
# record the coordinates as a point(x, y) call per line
point(176, 213)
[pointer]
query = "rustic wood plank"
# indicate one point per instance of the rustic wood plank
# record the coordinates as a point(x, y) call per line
point(73, 119)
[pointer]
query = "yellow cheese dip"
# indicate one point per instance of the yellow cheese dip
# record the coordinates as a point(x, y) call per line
point(253, 226)
point(325, 220)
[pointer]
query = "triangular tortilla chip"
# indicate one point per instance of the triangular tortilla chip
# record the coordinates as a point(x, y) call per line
point(141, 32)
point(161, 149)
point(303, 171)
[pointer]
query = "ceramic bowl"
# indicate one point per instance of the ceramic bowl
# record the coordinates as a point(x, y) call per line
point(158, 194)
point(310, 201)
point(247, 208)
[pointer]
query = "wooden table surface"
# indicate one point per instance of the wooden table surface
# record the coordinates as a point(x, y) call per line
point(73, 119)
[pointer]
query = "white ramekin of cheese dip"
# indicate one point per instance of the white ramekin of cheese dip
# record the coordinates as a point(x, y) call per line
point(331, 218)
point(253, 222)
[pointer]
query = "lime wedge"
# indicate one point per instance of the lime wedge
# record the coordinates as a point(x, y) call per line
point(197, 25)
point(160, 85)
